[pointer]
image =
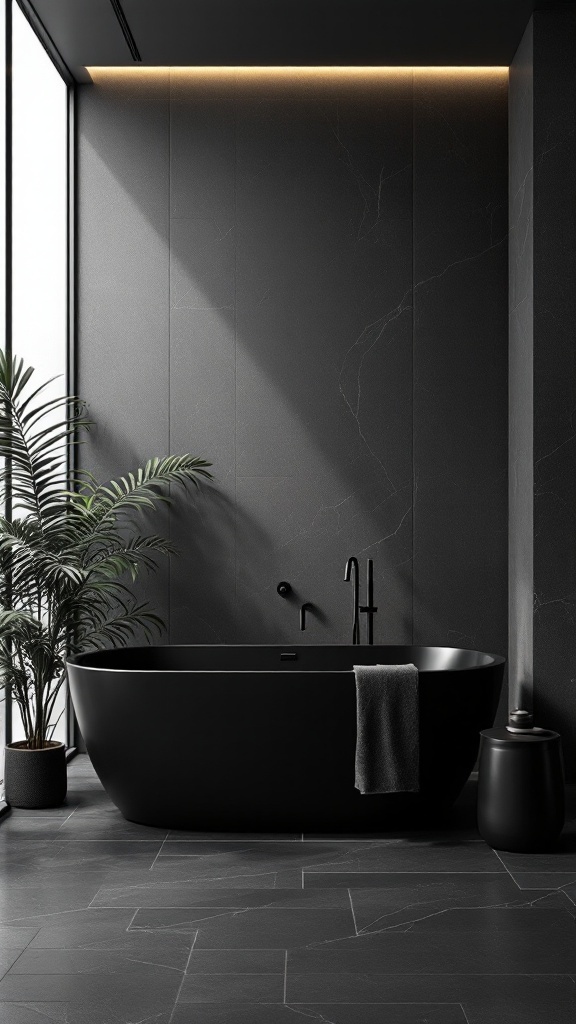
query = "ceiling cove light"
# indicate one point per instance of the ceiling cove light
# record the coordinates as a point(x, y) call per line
point(99, 74)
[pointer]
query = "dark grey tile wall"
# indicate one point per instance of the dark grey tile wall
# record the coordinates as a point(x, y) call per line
point(123, 351)
point(460, 360)
point(543, 361)
point(277, 318)
point(555, 373)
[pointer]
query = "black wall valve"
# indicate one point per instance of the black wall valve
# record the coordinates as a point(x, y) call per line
point(284, 589)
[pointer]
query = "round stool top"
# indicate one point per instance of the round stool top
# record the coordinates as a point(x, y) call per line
point(501, 736)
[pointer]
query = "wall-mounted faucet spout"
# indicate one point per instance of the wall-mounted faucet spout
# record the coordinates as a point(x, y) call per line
point(306, 607)
point(352, 564)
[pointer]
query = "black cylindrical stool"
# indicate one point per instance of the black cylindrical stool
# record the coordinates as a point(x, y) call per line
point(520, 786)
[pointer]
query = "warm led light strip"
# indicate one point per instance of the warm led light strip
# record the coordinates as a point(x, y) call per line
point(299, 70)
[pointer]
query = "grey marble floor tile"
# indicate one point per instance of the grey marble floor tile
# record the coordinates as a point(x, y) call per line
point(166, 895)
point(434, 910)
point(370, 879)
point(403, 898)
point(535, 880)
point(270, 928)
point(180, 835)
point(408, 855)
point(16, 937)
point(39, 829)
point(237, 961)
point(128, 953)
point(385, 1013)
point(560, 860)
point(7, 958)
point(548, 924)
point(90, 929)
point(323, 1013)
point(103, 853)
point(129, 996)
point(480, 995)
point(65, 1013)
point(556, 899)
point(232, 988)
point(120, 874)
point(32, 1013)
point(480, 941)
point(14, 846)
point(230, 1013)
point(250, 848)
point(27, 901)
point(468, 833)
point(55, 813)
point(107, 827)
point(284, 863)
point(89, 804)
point(180, 917)
point(485, 999)
point(190, 870)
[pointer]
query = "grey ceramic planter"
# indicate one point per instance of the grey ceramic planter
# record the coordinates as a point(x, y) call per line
point(35, 778)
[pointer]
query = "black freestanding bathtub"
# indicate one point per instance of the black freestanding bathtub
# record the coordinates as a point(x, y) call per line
point(263, 738)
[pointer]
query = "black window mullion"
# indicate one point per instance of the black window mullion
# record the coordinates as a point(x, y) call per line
point(8, 274)
point(71, 726)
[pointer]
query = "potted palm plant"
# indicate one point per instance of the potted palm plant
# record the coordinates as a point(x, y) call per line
point(69, 550)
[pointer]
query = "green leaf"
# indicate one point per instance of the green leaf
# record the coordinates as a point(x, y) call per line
point(70, 555)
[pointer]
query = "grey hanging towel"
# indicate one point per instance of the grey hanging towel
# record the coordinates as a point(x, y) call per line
point(387, 736)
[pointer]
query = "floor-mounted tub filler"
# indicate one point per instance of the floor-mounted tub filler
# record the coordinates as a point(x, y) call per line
point(263, 738)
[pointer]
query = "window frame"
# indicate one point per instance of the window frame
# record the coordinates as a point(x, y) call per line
point(68, 79)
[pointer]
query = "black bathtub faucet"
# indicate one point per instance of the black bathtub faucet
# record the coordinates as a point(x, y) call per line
point(306, 607)
point(369, 608)
point(352, 568)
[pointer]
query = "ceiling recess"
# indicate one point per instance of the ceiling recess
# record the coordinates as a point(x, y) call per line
point(305, 33)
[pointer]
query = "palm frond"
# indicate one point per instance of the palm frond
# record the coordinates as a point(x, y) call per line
point(67, 554)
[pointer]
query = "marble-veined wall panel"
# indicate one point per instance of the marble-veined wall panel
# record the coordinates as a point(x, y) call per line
point(460, 360)
point(324, 360)
point(123, 273)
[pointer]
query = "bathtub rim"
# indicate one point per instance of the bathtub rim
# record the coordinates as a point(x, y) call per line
point(78, 660)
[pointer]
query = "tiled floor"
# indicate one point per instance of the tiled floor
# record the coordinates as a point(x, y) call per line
point(106, 922)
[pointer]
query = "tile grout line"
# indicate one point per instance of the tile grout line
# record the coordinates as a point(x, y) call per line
point(157, 855)
point(132, 919)
point(506, 869)
point(352, 909)
point(184, 974)
point(285, 973)
point(68, 818)
point(415, 871)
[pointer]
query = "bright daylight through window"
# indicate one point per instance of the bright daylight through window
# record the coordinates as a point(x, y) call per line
point(39, 205)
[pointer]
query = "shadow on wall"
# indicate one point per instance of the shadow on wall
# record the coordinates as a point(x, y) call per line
point(287, 209)
point(202, 524)
point(213, 600)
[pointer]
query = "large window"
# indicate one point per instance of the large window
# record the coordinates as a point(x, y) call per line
point(39, 224)
point(38, 203)
point(3, 122)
